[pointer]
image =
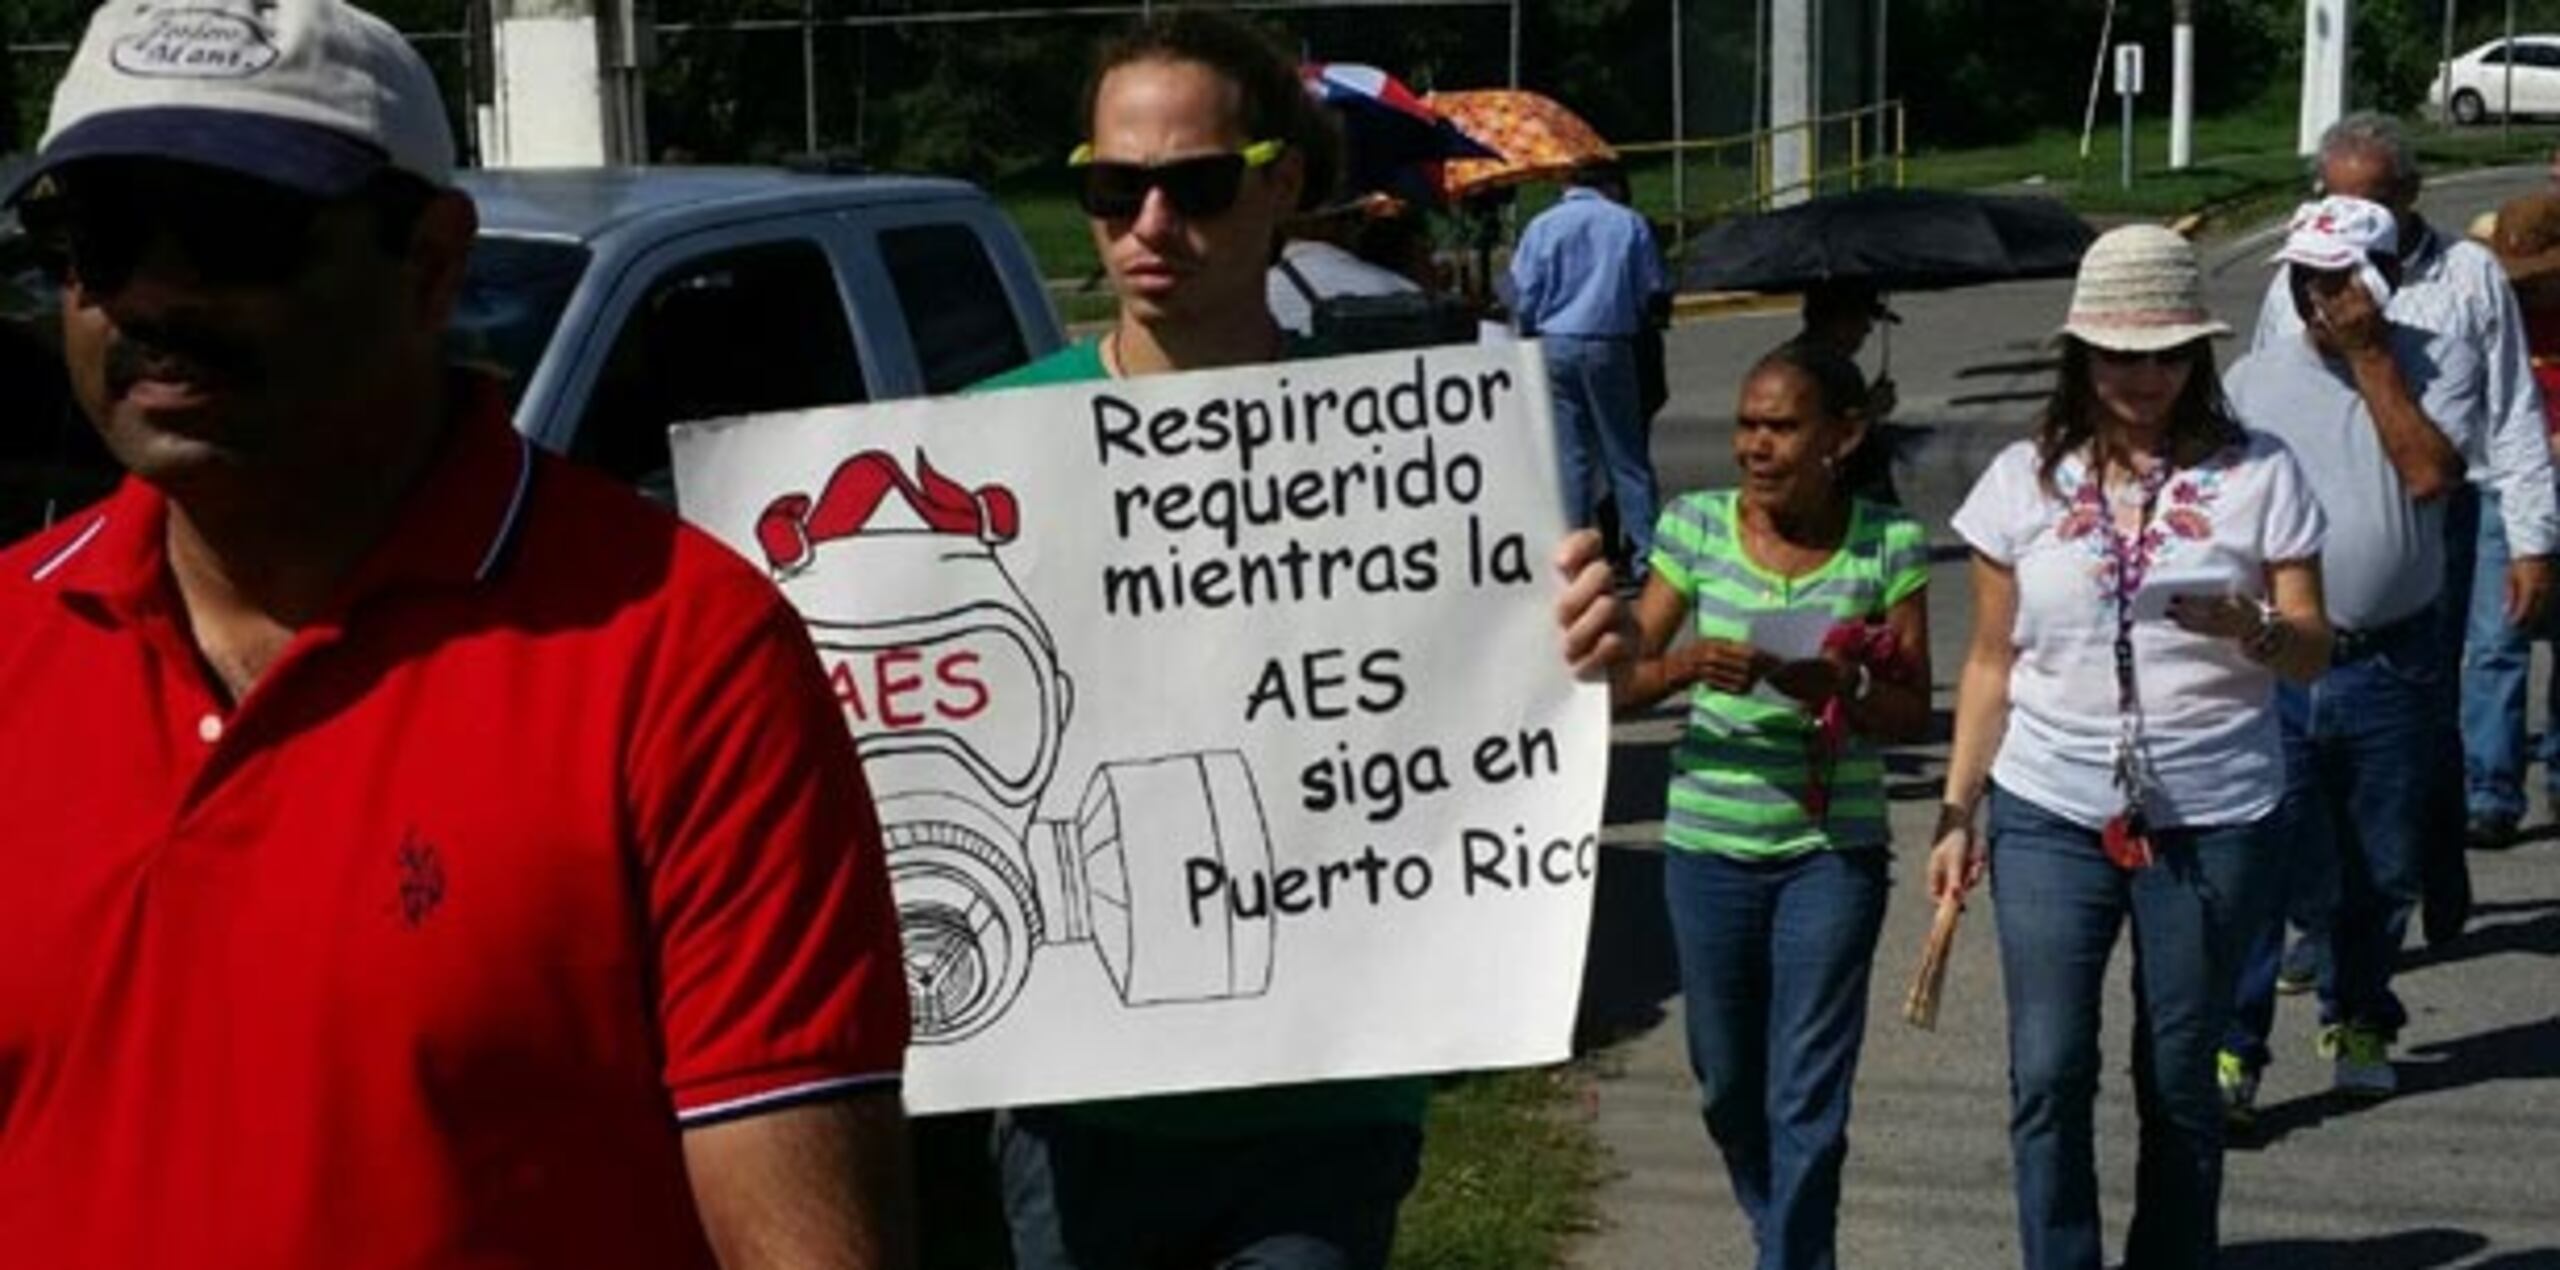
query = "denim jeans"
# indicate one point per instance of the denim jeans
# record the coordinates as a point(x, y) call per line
point(1082, 1197)
point(2305, 899)
point(1773, 972)
point(2060, 903)
point(1592, 383)
point(2351, 783)
point(2497, 665)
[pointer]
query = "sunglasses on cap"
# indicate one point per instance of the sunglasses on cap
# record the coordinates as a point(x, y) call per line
point(97, 225)
point(1199, 186)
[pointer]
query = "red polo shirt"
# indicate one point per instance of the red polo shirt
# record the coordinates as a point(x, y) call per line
point(547, 843)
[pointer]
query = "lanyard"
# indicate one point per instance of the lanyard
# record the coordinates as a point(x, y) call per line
point(2129, 559)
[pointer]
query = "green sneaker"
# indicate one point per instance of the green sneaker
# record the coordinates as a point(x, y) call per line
point(2239, 1091)
point(2360, 1061)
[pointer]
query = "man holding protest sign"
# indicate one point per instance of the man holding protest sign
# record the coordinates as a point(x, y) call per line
point(1203, 142)
point(421, 851)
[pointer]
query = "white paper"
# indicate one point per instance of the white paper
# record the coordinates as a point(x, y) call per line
point(2151, 603)
point(1175, 808)
point(1792, 634)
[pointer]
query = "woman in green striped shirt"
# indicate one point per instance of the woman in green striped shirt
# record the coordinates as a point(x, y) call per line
point(1811, 645)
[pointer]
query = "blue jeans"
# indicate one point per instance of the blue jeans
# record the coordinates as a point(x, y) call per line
point(2497, 665)
point(2306, 899)
point(2353, 792)
point(1083, 1197)
point(1773, 970)
point(1593, 386)
point(2060, 903)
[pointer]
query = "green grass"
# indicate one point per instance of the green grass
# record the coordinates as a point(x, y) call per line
point(1508, 1169)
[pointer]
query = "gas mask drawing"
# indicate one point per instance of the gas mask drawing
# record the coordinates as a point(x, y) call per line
point(952, 686)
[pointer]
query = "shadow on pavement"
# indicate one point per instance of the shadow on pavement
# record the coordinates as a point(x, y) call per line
point(2527, 1051)
point(1914, 773)
point(1629, 969)
point(2427, 1249)
point(1639, 777)
point(2536, 936)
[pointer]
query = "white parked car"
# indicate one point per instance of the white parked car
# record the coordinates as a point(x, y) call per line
point(2479, 80)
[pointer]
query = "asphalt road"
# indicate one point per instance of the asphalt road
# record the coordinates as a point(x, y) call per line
point(2461, 1170)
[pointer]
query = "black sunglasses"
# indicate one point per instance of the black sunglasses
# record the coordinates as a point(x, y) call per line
point(1200, 186)
point(95, 226)
point(2174, 355)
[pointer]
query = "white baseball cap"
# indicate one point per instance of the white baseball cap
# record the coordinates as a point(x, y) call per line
point(313, 95)
point(2343, 232)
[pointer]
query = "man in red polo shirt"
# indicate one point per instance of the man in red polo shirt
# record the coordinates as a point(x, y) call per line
point(417, 851)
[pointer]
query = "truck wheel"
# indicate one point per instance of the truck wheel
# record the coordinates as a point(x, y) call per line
point(966, 918)
point(1142, 828)
point(2468, 108)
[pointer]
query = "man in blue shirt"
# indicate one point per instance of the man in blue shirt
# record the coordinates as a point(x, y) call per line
point(1583, 278)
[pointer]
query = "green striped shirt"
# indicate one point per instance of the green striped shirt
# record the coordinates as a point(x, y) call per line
point(1742, 773)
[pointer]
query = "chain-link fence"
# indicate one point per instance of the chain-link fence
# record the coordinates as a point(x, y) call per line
point(989, 91)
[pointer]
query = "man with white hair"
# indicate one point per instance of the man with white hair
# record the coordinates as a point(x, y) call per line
point(2503, 528)
point(2357, 397)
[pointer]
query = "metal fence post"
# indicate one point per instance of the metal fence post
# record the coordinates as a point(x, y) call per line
point(1679, 124)
point(809, 76)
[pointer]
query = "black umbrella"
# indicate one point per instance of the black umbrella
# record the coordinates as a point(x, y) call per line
point(1896, 240)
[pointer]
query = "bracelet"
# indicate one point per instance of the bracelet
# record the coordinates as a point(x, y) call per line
point(2271, 636)
point(1950, 819)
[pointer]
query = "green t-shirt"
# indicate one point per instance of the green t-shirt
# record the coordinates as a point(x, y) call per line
point(1233, 1112)
point(1742, 770)
point(1075, 364)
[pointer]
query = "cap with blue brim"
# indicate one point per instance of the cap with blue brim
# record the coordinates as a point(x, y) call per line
point(315, 96)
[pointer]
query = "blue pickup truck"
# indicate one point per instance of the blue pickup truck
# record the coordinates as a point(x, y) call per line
point(615, 302)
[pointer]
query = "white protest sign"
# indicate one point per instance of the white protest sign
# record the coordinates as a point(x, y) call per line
point(1218, 722)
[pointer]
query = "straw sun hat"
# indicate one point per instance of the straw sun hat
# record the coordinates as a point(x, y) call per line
point(2139, 292)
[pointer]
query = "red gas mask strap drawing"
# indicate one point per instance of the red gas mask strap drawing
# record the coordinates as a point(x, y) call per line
point(792, 525)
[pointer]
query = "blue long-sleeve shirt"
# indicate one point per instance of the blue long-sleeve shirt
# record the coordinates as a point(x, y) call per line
point(1585, 267)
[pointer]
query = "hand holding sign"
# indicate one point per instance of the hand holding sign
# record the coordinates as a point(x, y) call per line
point(1215, 720)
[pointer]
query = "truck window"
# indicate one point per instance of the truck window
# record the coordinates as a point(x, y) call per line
point(955, 305)
point(51, 462)
point(743, 331)
point(512, 296)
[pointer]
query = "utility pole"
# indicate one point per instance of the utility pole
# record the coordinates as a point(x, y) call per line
point(1791, 106)
point(2325, 28)
point(2182, 86)
point(9, 82)
point(2444, 63)
point(1679, 124)
point(2507, 97)
point(1515, 43)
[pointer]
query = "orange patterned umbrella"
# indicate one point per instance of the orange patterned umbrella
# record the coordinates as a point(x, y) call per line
point(1538, 138)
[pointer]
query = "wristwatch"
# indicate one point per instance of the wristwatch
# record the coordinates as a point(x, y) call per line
point(2264, 642)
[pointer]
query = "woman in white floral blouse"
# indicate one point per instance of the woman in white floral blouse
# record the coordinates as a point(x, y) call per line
point(2143, 570)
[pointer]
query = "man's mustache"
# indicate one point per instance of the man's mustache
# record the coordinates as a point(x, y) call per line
point(177, 352)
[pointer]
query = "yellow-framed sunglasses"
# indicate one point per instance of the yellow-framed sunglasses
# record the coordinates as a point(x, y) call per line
point(1200, 186)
